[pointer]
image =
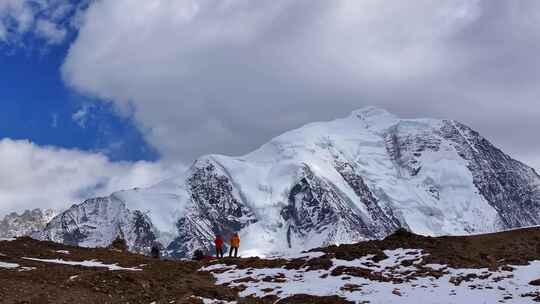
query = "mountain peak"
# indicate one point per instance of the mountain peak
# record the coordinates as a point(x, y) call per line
point(376, 119)
point(370, 111)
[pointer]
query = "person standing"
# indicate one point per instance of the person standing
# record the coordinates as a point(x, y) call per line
point(219, 246)
point(235, 244)
point(155, 252)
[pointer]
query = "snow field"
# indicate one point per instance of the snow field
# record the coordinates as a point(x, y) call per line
point(454, 286)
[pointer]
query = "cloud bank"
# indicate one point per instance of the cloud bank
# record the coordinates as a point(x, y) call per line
point(33, 176)
point(204, 76)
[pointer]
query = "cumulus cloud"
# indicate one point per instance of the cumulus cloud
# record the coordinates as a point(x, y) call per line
point(225, 76)
point(33, 176)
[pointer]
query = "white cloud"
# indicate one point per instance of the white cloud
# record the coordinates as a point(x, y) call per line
point(50, 32)
point(41, 18)
point(218, 69)
point(224, 76)
point(81, 116)
point(32, 176)
point(16, 17)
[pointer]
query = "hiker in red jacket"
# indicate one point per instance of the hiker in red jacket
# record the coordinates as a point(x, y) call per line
point(219, 246)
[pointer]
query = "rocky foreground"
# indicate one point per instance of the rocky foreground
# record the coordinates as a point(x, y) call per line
point(404, 268)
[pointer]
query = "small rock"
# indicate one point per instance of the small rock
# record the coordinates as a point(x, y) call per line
point(507, 268)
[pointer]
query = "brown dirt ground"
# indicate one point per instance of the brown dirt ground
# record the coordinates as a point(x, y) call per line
point(161, 281)
point(180, 282)
point(516, 247)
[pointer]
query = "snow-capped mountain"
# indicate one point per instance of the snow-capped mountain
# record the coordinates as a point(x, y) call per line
point(351, 179)
point(27, 223)
point(99, 221)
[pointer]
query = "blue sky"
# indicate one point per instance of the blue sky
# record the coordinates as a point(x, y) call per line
point(36, 105)
point(58, 146)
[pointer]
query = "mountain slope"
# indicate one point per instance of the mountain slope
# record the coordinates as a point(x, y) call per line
point(29, 222)
point(343, 181)
point(99, 221)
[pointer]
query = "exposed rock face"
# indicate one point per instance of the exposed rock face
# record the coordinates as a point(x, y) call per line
point(215, 209)
point(382, 218)
point(352, 179)
point(510, 187)
point(315, 206)
point(98, 222)
point(27, 223)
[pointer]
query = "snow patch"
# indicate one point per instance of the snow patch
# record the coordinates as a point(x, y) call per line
point(9, 265)
point(304, 255)
point(214, 301)
point(91, 263)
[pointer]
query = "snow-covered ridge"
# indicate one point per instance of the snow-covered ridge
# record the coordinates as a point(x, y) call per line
point(28, 222)
point(342, 181)
point(99, 221)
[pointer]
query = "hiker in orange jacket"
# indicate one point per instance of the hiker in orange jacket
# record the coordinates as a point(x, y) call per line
point(219, 246)
point(235, 244)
